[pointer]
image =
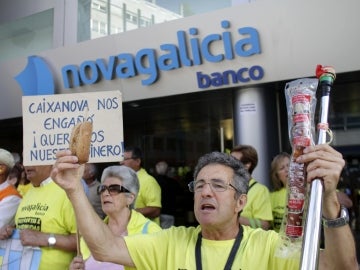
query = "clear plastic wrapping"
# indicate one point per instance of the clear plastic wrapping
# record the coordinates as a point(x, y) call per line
point(301, 103)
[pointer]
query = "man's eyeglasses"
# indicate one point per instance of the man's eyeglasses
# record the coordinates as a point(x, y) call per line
point(112, 189)
point(216, 185)
point(128, 158)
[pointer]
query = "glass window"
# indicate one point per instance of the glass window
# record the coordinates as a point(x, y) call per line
point(103, 26)
point(95, 25)
point(27, 36)
point(152, 12)
point(99, 6)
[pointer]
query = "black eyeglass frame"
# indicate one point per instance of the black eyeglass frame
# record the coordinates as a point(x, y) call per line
point(226, 186)
point(128, 158)
point(112, 189)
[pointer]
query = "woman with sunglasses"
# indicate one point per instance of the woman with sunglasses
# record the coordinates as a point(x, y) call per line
point(118, 191)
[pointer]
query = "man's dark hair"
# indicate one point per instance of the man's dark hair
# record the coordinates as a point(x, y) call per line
point(135, 152)
point(249, 155)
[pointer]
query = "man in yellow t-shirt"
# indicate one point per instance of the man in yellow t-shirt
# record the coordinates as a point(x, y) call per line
point(148, 201)
point(253, 253)
point(46, 219)
point(219, 241)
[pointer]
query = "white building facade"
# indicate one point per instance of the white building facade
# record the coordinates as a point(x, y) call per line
point(190, 84)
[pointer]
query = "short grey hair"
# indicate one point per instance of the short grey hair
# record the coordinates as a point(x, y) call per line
point(6, 158)
point(241, 175)
point(128, 177)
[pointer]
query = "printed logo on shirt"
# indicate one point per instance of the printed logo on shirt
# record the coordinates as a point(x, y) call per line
point(39, 208)
point(33, 223)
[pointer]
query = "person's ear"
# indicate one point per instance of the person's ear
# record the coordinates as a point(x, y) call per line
point(130, 198)
point(241, 202)
point(247, 165)
point(138, 162)
point(2, 168)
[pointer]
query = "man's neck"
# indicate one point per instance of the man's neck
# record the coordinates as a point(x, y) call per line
point(41, 182)
point(220, 234)
point(118, 222)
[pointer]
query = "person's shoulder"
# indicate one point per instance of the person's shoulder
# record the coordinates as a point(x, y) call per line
point(8, 191)
point(54, 188)
point(256, 185)
point(186, 233)
point(268, 243)
point(277, 192)
point(138, 223)
point(144, 176)
point(143, 173)
point(23, 189)
point(58, 195)
point(259, 235)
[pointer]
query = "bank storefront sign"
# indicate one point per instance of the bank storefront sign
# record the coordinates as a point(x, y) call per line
point(190, 50)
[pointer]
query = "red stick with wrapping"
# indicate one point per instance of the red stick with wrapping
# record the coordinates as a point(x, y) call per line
point(301, 103)
point(310, 248)
point(302, 100)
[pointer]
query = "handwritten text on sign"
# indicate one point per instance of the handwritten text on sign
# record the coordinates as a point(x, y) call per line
point(48, 122)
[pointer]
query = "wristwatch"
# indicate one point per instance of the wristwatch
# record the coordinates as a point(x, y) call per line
point(51, 240)
point(338, 222)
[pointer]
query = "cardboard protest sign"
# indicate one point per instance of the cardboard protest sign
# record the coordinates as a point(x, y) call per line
point(49, 119)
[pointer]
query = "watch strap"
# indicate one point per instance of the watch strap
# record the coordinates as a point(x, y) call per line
point(51, 240)
point(342, 220)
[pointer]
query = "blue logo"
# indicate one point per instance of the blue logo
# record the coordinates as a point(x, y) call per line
point(36, 78)
point(189, 50)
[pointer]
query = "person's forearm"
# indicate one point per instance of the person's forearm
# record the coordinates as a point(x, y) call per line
point(339, 247)
point(63, 242)
point(91, 227)
point(339, 242)
point(150, 211)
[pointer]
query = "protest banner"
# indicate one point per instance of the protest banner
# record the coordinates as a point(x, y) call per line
point(49, 119)
point(14, 256)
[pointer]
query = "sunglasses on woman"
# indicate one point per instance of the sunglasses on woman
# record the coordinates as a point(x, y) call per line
point(112, 189)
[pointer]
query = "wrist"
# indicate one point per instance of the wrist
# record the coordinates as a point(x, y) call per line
point(331, 206)
point(342, 219)
point(51, 240)
point(75, 191)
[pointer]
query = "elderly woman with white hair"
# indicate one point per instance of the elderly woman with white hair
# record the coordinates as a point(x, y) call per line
point(118, 192)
